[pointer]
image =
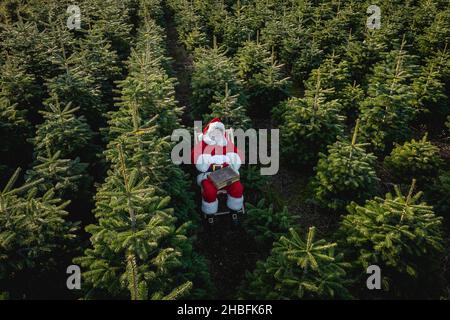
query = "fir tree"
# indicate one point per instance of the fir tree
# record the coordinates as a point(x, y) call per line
point(400, 234)
point(227, 108)
point(334, 76)
point(262, 76)
point(15, 126)
point(139, 249)
point(33, 230)
point(266, 224)
point(73, 84)
point(429, 87)
point(387, 112)
point(191, 31)
point(346, 173)
point(66, 177)
point(236, 27)
point(299, 269)
point(309, 125)
point(133, 220)
point(20, 87)
point(212, 71)
point(414, 159)
point(112, 19)
point(62, 131)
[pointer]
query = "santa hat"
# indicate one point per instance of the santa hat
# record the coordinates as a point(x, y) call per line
point(212, 125)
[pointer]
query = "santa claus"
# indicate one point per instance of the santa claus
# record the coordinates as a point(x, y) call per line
point(214, 151)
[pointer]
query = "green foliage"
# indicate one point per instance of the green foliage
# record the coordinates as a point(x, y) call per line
point(263, 78)
point(66, 177)
point(33, 229)
point(212, 71)
point(346, 173)
point(62, 131)
point(13, 125)
point(140, 246)
point(437, 192)
point(400, 234)
point(265, 223)
point(429, 87)
point(20, 87)
point(388, 110)
point(414, 159)
point(309, 124)
point(226, 107)
point(191, 31)
point(299, 269)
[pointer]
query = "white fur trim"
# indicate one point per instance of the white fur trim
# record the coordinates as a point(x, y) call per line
point(235, 203)
point(216, 125)
point(235, 160)
point(211, 127)
point(202, 176)
point(220, 159)
point(203, 162)
point(210, 207)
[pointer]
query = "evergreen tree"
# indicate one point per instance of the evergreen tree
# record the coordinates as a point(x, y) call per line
point(347, 173)
point(212, 71)
point(262, 75)
point(227, 108)
point(139, 249)
point(66, 177)
point(401, 235)
point(388, 110)
point(334, 76)
point(298, 269)
point(191, 31)
point(33, 231)
point(113, 20)
point(236, 27)
point(436, 35)
point(133, 220)
point(429, 87)
point(20, 87)
point(265, 223)
point(309, 125)
point(73, 84)
point(414, 159)
point(62, 131)
point(13, 125)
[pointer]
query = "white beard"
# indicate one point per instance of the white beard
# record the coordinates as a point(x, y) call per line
point(221, 141)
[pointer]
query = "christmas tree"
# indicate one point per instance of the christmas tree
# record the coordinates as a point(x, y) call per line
point(227, 109)
point(139, 249)
point(310, 124)
point(212, 71)
point(346, 173)
point(400, 234)
point(299, 269)
point(34, 231)
point(263, 78)
point(414, 159)
point(389, 108)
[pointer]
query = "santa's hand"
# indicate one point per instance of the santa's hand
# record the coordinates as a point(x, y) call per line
point(235, 161)
point(203, 162)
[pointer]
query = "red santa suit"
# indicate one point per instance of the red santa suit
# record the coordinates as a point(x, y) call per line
point(218, 150)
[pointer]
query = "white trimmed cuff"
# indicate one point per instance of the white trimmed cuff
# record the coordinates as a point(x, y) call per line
point(235, 204)
point(210, 207)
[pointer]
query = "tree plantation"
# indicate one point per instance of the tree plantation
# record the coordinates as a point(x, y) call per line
point(92, 93)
